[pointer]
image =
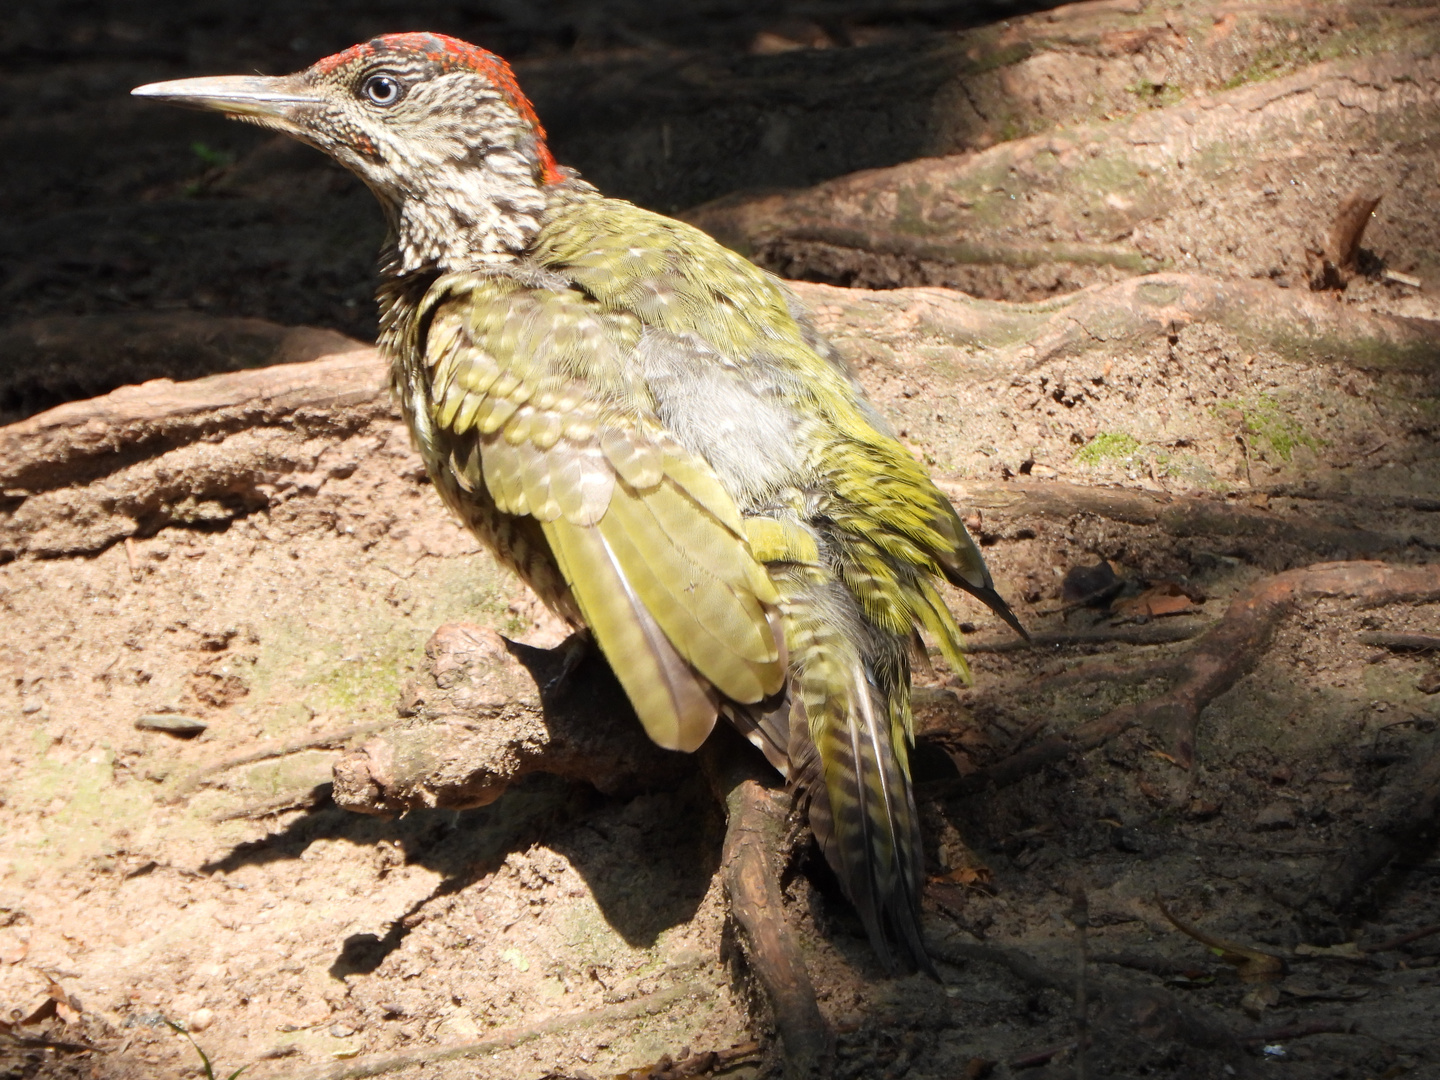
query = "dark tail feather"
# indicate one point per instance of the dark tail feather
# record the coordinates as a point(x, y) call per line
point(862, 812)
point(987, 595)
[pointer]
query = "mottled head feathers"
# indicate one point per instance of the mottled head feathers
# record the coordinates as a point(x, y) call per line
point(425, 55)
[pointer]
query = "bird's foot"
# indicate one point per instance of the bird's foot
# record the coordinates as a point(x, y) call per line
point(572, 653)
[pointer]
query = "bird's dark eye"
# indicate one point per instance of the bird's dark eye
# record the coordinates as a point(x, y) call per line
point(381, 89)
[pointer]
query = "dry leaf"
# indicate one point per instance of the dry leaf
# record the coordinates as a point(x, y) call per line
point(974, 876)
point(1259, 998)
point(1162, 598)
point(1346, 950)
point(1251, 965)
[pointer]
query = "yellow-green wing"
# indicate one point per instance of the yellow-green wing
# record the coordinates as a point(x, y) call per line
point(530, 397)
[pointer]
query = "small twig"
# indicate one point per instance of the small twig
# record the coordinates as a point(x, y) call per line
point(297, 801)
point(1105, 672)
point(513, 1037)
point(1252, 965)
point(1154, 965)
point(1042, 1057)
point(1048, 751)
point(1021, 965)
point(1153, 633)
point(1386, 639)
point(330, 740)
point(1080, 916)
point(1403, 939)
point(1376, 502)
point(1301, 1031)
point(135, 574)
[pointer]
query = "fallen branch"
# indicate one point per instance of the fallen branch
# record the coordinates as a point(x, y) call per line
point(1402, 940)
point(329, 740)
point(1042, 1057)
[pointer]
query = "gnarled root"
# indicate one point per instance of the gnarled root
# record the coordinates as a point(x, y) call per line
point(1218, 660)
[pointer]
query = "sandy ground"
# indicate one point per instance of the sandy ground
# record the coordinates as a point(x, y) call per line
point(208, 880)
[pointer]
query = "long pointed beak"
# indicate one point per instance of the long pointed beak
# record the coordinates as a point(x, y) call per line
point(269, 96)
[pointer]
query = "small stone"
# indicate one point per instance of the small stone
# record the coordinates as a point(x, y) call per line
point(1276, 816)
point(1202, 809)
point(199, 1020)
point(172, 724)
point(341, 1031)
point(1256, 1001)
point(1429, 683)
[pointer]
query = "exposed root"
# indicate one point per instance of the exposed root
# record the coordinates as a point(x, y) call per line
point(1153, 633)
point(755, 832)
point(1127, 1011)
point(490, 711)
point(1383, 639)
point(1218, 660)
point(1408, 821)
point(652, 1005)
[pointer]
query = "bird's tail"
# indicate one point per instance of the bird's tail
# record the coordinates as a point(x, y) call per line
point(848, 725)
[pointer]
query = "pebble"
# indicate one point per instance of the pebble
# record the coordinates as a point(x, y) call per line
point(199, 1020)
point(1276, 816)
point(171, 724)
point(342, 1031)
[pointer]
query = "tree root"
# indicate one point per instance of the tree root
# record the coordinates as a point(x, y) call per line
point(1126, 1009)
point(89, 474)
point(1261, 536)
point(1408, 821)
point(1153, 633)
point(651, 1005)
point(1220, 658)
point(754, 835)
point(490, 711)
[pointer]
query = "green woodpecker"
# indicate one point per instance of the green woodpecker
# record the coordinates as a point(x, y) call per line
point(650, 431)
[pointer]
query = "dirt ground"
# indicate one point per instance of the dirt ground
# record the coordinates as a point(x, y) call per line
point(203, 611)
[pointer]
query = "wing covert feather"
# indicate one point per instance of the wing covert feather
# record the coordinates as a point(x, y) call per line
point(651, 545)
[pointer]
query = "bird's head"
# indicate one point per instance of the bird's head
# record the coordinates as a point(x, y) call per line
point(437, 128)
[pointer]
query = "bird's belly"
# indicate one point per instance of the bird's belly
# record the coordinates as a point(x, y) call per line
point(750, 438)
